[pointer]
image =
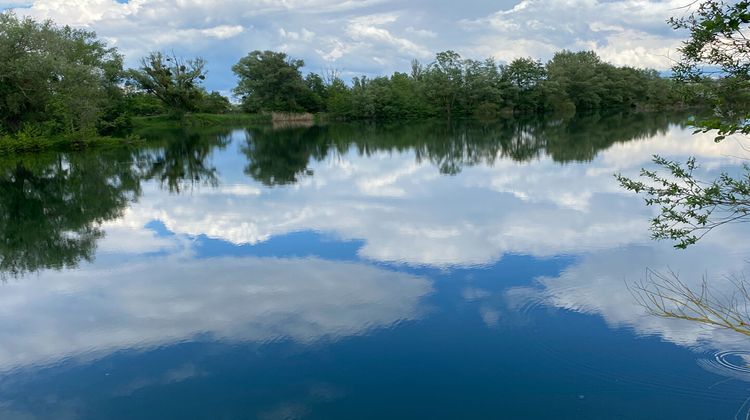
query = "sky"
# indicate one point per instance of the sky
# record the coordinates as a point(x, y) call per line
point(371, 37)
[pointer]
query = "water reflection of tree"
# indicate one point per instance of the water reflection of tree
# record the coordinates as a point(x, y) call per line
point(278, 157)
point(666, 295)
point(50, 207)
point(581, 139)
point(182, 161)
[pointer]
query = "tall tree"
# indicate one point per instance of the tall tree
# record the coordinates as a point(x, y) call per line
point(580, 77)
point(270, 81)
point(444, 79)
point(524, 76)
point(174, 80)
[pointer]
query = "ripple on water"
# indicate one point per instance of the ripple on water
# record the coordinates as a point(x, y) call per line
point(734, 363)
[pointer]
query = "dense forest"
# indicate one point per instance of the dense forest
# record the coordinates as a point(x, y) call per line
point(65, 85)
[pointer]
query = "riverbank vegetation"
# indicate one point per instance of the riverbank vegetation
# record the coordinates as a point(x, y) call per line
point(453, 86)
point(64, 87)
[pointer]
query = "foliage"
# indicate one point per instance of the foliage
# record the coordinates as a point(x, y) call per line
point(213, 103)
point(174, 80)
point(143, 104)
point(151, 127)
point(271, 81)
point(452, 86)
point(63, 86)
point(690, 208)
point(58, 79)
point(444, 79)
point(718, 44)
point(524, 77)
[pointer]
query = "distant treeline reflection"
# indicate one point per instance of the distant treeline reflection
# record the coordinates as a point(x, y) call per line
point(282, 156)
point(52, 205)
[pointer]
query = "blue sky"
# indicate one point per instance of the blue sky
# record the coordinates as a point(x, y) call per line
point(372, 37)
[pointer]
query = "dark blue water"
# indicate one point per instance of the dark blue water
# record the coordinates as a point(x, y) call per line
point(359, 271)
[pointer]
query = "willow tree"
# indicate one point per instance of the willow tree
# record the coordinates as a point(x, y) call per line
point(690, 207)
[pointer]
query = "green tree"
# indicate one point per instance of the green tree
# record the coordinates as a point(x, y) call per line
point(363, 98)
point(270, 81)
point(524, 76)
point(718, 45)
point(689, 207)
point(444, 80)
point(482, 88)
point(339, 99)
point(59, 79)
point(174, 80)
point(316, 93)
point(214, 103)
point(143, 104)
point(579, 76)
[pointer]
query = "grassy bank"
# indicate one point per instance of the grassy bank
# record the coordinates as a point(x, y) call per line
point(200, 120)
point(32, 141)
point(26, 142)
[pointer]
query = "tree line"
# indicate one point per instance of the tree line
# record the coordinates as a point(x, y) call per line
point(60, 81)
point(452, 86)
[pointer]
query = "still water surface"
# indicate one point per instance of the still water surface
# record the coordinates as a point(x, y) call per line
point(420, 270)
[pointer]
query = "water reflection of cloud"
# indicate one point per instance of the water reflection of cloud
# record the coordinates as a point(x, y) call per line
point(404, 211)
point(94, 311)
point(599, 285)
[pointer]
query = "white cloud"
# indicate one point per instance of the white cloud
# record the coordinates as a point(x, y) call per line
point(223, 31)
point(626, 32)
point(598, 285)
point(101, 308)
point(421, 32)
point(336, 49)
point(405, 211)
point(371, 28)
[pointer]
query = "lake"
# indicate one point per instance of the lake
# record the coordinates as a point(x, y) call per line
point(415, 270)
